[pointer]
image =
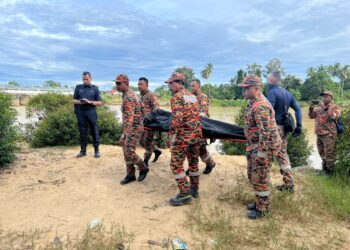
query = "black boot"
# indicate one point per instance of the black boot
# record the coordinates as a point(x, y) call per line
point(97, 151)
point(208, 169)
point(146, 161)
point(284, 188)
point(143, 173)
point(256, 214)
point(157, 153)
point(251, 206)
point(181, 199)
point(128, 179)
point(194, 192)
point(82, 152)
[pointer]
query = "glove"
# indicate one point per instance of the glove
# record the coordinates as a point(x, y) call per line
point(297, 131)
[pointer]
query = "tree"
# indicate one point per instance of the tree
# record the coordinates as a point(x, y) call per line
point(188, 72)
point(13, 83)
point(273, 65)
point(254, 69)
point(235, 83)
point(342, 72)
point(206, 72)
point(317, 81)
point(52, 84)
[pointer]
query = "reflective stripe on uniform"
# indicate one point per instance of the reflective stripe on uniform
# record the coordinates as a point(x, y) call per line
point(194, 173)
point(180, 176)
point(263, 193)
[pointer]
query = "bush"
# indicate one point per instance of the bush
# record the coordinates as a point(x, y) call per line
point(8, 131)
point(43, 104)
point(61, 128)
point(299, 149)
point(235, 148)
point(343, 145)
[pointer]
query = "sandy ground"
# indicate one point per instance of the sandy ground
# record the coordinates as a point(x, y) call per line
point(50, 188)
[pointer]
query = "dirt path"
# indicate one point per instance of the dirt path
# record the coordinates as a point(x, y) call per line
point(50, 188)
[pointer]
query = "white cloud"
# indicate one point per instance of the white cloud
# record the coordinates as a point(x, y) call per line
point(103, 30)
point(5, 3)
point(42, 34)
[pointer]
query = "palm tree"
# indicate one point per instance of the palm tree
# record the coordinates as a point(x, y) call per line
point(342, 73)
point(206, 72)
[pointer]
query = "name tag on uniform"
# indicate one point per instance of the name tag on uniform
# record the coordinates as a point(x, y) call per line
point(190, 98)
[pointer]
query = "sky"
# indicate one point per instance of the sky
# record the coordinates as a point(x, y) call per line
point(58, 40)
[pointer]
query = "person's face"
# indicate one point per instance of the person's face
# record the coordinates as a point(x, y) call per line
point(175, 86)
point(86, 79)
point(195, 87)
point(250, 92)
point(121, 86)
point(271, 79)
point(142, 86)
point(327, 99)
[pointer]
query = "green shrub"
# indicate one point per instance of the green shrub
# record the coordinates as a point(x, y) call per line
point(8, 131)
point(235, 148)
point(61, 128)
point(45, 103)
point(299, 150)
point(343, 145)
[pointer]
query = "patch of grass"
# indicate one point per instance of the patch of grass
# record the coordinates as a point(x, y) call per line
point(98, 238)
point(333, 194)
point(297, 221)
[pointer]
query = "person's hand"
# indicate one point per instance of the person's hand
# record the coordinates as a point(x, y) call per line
point(121, 141)
point(86, 101)
point(297, 131)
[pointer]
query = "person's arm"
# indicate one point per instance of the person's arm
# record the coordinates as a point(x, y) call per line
point(298, 113)
point(97, 99)
point(204, 106)
point(76, 100)
point(334, 113)
point(312, 112)
point(262, 120)
point(272, 98)
point(129, 113)
point(177, 115)
point(154, 102)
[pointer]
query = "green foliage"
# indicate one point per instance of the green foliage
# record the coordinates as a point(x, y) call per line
point(163, 92)
point(235, 148)
point(13, 83)
point(299, 150)
point(58, 128)
point(8, 131)
point(318, 81)
point(189, 74)
point(59, 125)
point(206, 72)
point(273, 65)
point(61, 128)
point(52, 84)
point(254, 69)
point(343, 145)
point(47, 103)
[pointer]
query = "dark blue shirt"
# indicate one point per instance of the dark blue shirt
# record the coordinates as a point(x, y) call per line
point(90, 92)
point(278, 97)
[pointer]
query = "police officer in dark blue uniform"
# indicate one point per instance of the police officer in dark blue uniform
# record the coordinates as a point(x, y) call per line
point(86, 98)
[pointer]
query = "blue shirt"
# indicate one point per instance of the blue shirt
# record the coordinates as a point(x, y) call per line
point(279, 96)
point(90, 92)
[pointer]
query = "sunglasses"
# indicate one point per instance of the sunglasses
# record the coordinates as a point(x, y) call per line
point(118, 83)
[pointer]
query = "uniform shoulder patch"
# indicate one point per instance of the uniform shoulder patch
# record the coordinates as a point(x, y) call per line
point(190, 98)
